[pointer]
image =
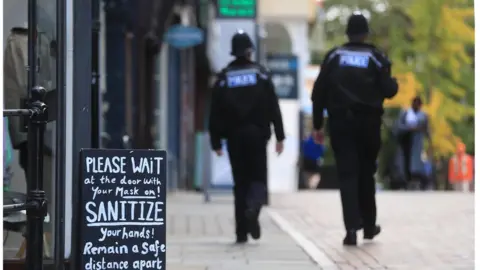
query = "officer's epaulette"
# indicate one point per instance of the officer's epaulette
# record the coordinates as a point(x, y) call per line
point(375, 49)
point(262, 71)
point(262, 68)
point(253, 67)
point(330, 53)
point(221, 72)
point(382, 54)
point(333, 50)
point(225, 69)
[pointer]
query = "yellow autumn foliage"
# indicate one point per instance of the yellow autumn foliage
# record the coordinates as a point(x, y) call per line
point(408, 88)
point(440, 111)
point(440, 34)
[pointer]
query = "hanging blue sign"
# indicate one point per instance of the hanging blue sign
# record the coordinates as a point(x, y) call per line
point(284, 71)
point(181, 37)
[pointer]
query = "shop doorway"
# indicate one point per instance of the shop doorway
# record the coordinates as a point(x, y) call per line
point(34, 41)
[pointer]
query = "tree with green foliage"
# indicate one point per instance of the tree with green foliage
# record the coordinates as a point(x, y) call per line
point(434, 50)
point(430, 43)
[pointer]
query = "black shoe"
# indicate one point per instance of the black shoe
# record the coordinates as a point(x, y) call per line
point(241, 239)
point(255, 230)
point(351, 238)
point(253, 224)
point(370, 233)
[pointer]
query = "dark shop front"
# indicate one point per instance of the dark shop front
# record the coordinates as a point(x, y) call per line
point(52, 100)
point(46, 67)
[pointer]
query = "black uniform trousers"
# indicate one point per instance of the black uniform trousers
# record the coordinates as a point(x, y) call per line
point(247, 150)
point(355, 139)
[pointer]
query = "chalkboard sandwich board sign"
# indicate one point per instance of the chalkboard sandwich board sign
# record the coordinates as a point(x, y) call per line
point(122, 215)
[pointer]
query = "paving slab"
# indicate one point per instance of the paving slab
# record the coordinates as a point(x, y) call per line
point(200, 237)
point(304, 230)
point(420, 230)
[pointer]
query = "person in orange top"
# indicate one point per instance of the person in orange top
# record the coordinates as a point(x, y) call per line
point(460, 169)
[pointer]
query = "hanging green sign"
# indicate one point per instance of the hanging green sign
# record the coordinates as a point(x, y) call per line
point(237, 9)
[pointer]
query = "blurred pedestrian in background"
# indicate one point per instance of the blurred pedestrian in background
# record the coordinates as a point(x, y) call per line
point(411, 129)
point(313, 153)
point(428, 171)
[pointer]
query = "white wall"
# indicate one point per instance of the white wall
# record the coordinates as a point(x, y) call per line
point(283, 170)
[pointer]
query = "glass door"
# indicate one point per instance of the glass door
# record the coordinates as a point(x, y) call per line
point(47, 48)
point(30, 32)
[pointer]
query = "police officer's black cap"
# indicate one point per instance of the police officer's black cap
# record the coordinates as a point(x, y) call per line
point(357, 25)
point(241, 44)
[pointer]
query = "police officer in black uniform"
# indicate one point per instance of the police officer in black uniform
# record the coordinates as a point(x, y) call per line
point(355, 79)
point(244, 105)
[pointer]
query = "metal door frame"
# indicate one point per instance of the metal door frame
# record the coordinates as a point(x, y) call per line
point(78, 111)
point(60, 143)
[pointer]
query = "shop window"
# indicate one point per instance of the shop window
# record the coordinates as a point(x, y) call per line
point(15, 74)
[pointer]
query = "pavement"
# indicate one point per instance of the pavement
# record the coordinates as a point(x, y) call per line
point(304, 230)
point(420, 230)
point(200, 237)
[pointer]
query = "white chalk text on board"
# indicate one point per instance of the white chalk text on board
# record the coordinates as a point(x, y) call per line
point(124, 211)
point(118, 164)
